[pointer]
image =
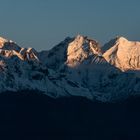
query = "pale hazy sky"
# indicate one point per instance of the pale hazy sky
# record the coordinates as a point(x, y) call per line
point(44, 23)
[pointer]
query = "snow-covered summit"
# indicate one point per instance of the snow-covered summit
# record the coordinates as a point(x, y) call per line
point(2, 41)
point(124, 54)
point(8, 45)
point(82, 49)
point(9, 48)
point(72, 52)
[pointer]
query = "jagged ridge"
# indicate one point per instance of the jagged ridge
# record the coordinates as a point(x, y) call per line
point(75, 67)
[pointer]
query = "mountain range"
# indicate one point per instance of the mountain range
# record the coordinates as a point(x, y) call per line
point(77, 66)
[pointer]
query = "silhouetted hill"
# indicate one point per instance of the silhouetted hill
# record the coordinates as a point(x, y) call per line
point(34, 116)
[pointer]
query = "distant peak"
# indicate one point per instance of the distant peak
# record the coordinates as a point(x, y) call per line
point(123, 54)
point(2, 41)
point(82, 49)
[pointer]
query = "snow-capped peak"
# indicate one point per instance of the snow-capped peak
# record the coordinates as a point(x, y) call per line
point(8, 45)
point(81, 49)
point(2, 41)
point(9, 48)
point(123, 54)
